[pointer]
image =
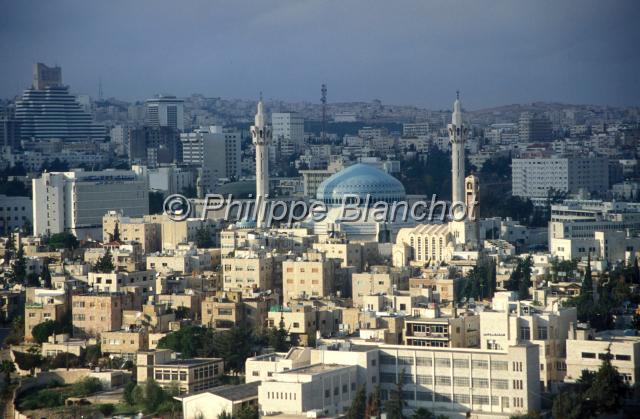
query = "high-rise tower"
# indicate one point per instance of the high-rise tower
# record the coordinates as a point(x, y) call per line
point(261, 135)
point(457, 136)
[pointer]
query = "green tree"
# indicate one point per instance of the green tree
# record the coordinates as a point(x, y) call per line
point(373, 403)
point(27, 361)
point(20, 266)
point(105, 263)
point(248, 412)
point(608, 389)
point(116, 232)
point(7, 367)
point(587, 282)
point(569, 405)
point(203, 237)
point(358, 407)
point(396, 403)
point(277, 338)
point(42, 331)
point(107, 409)
point(422, 413)
point(234, 346)
point(16, 334)
point(128, 394)
point(63, 241)
point(153, 395)
point(46, 274)
point(225, 415)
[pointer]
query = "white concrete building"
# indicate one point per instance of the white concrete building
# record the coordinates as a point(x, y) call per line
point(215, 150)
point(165, 111)
point(76, 201)
point(535, 177)
point(512, 322)
point(288, 131)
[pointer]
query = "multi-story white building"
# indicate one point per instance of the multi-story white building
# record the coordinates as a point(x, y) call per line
point(512, 322)
point(288, 131)
point(586, 349)
point(450, 381)
point(76, 201)
point(536, 177)
point(415, 130)
point(215, 150)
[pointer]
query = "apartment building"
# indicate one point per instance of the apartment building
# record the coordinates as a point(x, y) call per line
point(141, 230)
point(313, 275)
point(93, 314)
point(439, 281)
point(442, 331)
point(42, 305)
point(113, 282)
point(248, 271)
point(124, 343)
point(223, 310)
point(510, 322)
point(379, 280)
point(586, 350)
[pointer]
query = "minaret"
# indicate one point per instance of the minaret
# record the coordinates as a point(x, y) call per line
point(457, 136)
point(261, 135)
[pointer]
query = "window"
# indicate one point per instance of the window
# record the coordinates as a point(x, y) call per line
point(543, 333)
point(499, 365)
point(461, 381)
point(405, 360)
point(424, 395)
point(481, 364)
point(443, 380)
point(623, 357)
point(517, 384)
point(500, 384)
point(461, 398)
point(479, 399)
point(387, 377)
point(461, 363)
point(443, 362)
point(525, 333)
point(424, 379)
point(423, 362)
point(443, 398)
point(588, 355)
point(386, 359)
point(517, 366)
point(480, 382)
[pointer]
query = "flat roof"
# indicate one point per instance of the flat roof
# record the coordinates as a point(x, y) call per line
point(315, 369)
point(187, 362)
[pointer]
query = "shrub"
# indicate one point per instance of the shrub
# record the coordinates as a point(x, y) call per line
point(86, 386)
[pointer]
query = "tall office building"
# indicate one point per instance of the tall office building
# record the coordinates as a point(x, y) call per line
point(288, 132)
point(9, 129)
point(534, 128)
point(47, 110)
point(535, 177)
point(165, 111)
point(152, 146)
point(76, 201)
point(214, 149)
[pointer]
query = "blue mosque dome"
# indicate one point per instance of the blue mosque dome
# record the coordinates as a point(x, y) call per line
point(361, 180)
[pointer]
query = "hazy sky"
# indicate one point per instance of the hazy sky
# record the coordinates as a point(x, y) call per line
point(401, 52)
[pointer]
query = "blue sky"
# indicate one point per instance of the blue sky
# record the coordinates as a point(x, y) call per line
point(401, 52)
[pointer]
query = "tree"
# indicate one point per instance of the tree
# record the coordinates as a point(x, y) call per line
point(46, 274)
point(27, 361)
point(203, 237)
point(153, 395)
point(42, 331)
point(396, 403)
point(234, 346)
point(63, 241)
point(128, 394)
point(422, 413)
point(116, 232)
point(569, 405)
point(587, 282)
point(107, 409)
point(373, 403)
point(105, 263)
point(608, 389)
point(277, 338)
point(16, 335)
point(358, 407)
point(7, 367)
point(225, 415)
point(20, 266)
point(248, 412)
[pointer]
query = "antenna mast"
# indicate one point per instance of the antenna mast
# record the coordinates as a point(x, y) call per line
point(323, 99)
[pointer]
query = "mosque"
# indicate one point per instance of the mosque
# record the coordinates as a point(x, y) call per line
point(365, 187)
